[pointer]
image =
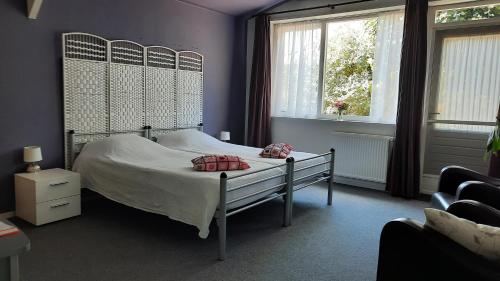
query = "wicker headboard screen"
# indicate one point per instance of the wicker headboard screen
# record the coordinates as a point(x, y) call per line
point(112, 86)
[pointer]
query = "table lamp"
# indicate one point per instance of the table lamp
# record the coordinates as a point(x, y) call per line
point(32, 155)
point(225, 136)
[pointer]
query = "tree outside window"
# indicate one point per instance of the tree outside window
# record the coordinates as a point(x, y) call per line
point(349, 65)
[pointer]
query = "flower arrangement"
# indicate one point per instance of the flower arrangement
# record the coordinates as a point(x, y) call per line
point(341, 107)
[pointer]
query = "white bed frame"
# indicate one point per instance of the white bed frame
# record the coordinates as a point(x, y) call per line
point(121, 87)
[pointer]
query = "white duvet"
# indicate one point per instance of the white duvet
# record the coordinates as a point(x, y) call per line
point(192, 140)
point(140, 173)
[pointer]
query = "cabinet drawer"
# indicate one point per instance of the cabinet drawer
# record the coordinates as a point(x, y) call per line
point(56, 188)
point(57, 209)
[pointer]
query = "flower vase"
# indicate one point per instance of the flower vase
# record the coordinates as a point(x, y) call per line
point(339, 116)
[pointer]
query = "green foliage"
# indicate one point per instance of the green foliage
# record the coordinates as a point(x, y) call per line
point(467, 14)
point(493, 145)
point(349, 70)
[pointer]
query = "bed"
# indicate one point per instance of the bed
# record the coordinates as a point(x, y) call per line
point(129, 168)
point(137, 172)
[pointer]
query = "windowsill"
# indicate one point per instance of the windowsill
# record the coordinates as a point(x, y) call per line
point(349, 121)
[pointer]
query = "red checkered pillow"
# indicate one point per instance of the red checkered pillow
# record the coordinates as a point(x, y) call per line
point(212, 163)
point(277, 150)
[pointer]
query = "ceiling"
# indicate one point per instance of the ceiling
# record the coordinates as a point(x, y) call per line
point(233, 7)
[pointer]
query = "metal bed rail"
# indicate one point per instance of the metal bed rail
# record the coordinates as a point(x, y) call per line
point(289, 185)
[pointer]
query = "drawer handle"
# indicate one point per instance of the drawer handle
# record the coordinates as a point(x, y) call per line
point(59, 205)
point(59, 183)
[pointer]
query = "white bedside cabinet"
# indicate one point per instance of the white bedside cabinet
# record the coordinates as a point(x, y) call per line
point(47, 196)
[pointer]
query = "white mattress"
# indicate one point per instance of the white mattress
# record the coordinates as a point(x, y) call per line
point(192, 140)
point(142, 174)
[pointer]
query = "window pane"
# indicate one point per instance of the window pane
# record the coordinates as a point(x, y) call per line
point(468, 14)
point(349, 61)
point(469, 81)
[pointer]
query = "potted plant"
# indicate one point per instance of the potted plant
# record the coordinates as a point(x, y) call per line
point(493, 148)
point(341, 107)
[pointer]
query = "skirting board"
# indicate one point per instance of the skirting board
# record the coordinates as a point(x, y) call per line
point(360, 183)
point(7, 215)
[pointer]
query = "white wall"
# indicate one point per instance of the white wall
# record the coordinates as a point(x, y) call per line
point(315, 136)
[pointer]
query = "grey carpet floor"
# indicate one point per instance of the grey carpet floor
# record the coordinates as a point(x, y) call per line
point(113, 242)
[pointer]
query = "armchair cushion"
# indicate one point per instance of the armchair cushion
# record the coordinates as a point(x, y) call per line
point(483, 240)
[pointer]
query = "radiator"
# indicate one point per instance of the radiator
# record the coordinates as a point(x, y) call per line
point(361, 156)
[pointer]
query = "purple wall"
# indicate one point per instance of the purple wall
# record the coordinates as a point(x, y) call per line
point(30, 67)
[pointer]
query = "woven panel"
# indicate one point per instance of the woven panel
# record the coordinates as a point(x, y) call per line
point(85, 99)
point(85, 47)
point(122, 86)
point(126, 97)
point(189, 98)
point(160, 97)
point(161, 57)
point(190, 61)
point(127, 52)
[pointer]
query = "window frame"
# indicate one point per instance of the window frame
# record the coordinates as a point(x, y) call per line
point(325, 20)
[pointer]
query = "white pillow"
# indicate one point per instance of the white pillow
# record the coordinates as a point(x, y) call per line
point(187, 138)
point(481, 239)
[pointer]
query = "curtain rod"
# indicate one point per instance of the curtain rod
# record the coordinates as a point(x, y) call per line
point(331, 6)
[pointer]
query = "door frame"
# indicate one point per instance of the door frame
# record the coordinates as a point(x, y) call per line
point(435, 31)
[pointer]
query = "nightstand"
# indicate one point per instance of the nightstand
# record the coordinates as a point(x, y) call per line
point(47, 196)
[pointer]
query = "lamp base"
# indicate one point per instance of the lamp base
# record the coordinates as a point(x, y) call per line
point(33, 168)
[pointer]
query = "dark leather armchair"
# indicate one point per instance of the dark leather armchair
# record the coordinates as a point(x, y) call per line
point(411, 252)
point(458, 183)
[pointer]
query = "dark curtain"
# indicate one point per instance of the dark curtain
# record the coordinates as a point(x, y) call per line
point(404, 168)
point(259, 117)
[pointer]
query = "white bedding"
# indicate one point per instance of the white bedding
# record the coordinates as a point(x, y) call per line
point(140, 173)
point(192, 140)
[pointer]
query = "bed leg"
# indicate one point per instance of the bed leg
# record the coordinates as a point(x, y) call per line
point(287, 214)
point(330, 180)
point(221, 222)
point(222, 218)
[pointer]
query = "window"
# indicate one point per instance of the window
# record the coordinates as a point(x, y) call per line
point(468, 14)
point(360, 67)
point(350, 52)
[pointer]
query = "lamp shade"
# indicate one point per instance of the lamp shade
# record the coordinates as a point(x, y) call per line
point(32, 154)
point(225, 136)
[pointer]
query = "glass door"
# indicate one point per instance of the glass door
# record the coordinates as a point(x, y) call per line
point(465, 95)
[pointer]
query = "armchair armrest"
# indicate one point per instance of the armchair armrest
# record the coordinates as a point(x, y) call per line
point(452, 176)
point(480, 191)
point(476, 212)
